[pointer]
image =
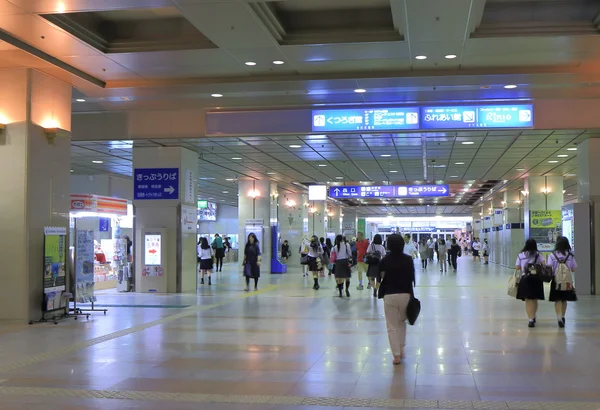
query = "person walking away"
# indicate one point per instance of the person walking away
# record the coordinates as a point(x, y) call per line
point(436, 249)
point(354, 252)
point(398, 274)
point(219, 248)
point(424, 253)
point(341, 255)
point(252, 261)
point(327, 249)
point(431, 245)
point(476, 246)
point(486, 252)
point(374, 255)
point(285, 251)
point(409, 247)
point(454, 253)
point(361, 249)
point(562, 288)
point(205, 255)
point(531, 287)
point(314, 260)
point(442, 257)
point(324, 257)
point(228, 247)
point(303, 251)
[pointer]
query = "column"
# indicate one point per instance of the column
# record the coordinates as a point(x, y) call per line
point(512, 233)
point(349, 223)
point(316, 218)
point(334, 221)
point(167, 208)
point(543, 210)
point(255, 203)
point(494, 236)
point(477, 214)
point(35, 117)
point(584, 222)
point(292, 214)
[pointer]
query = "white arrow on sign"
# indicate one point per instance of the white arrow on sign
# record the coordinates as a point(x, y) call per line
point(443, 190)
point(337, 191)
point(170, 190)
point(330, 120)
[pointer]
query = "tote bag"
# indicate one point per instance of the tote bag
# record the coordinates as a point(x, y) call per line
point(513, 284)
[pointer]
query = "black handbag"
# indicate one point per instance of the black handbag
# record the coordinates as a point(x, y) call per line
point(381, 291)
point(413, 309)
point(373, 257)
point(304, 260)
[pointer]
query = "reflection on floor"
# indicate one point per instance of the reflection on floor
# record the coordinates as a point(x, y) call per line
point(290, 347)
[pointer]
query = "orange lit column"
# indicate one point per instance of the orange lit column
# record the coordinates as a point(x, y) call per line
point(543, 210)
point(34, 182)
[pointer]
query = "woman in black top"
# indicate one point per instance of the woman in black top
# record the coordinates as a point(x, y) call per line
point(285, 251)
point(453, 253)
point(252, 261)
point(398, 272)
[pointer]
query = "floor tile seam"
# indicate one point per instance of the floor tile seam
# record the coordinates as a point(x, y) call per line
point(157, 396)
point(40, 357)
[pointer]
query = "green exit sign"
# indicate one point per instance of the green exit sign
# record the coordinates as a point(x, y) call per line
point(202, 204)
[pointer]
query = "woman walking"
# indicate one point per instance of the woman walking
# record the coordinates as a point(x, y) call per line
point(562, 255)
point(341, 255)
point(453, 254)
point(375, 253)
point(251, 261)
point(398, 273)
point(315, 251)
point(423, 253)
point(531, 287)
point(327, 250)
point(205, 256)
point(442, 258)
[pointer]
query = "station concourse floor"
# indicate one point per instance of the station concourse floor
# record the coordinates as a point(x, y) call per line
point(289, 347)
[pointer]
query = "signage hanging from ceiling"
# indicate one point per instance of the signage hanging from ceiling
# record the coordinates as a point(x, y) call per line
point(389, 191)
point(317, 193)
point(423, 118)
point(366, 119)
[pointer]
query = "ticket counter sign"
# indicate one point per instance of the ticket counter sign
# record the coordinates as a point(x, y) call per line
point(152, 249)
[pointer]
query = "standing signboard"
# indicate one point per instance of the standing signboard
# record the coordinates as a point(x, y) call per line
point(55, 257)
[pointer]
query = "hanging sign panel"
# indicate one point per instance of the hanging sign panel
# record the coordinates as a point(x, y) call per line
point(389, 191)
point(155, 183)
point(483, 116)
point(371, 119)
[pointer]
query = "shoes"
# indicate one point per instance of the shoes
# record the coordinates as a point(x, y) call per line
point(202, 281)
point(246, 289)
point(531, 323)
point(347, 293)
point(561, 324)
point(534, 320)
point(209, 282)
point(360, 287)
point(341, 289)
point(369, 285)
point(374, 292)
point(441, 270)
point(564, 321)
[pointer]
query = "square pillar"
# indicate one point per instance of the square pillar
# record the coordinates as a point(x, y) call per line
point(255, 202)
point(292, 214)
point(543, 210)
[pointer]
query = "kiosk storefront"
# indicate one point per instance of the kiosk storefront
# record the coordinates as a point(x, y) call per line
point(107, 223)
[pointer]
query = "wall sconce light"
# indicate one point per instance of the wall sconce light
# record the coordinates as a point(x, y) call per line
point(330, 214)
point(564, 191)
point(545, 191)
point(525, 193)
point(53, 133)
point(274, 195)
point(290, 203)
point(2, 134)
point(312, 209)
point(253, 194)
point(518, 202)
point(503, 203)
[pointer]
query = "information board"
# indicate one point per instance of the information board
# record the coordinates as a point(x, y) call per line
point(389, 191)
point(155, 183)
point(371, 119)
point(152, 250)
point(484, 116)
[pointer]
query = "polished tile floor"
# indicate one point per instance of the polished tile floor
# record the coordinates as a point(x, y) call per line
point(289, 347)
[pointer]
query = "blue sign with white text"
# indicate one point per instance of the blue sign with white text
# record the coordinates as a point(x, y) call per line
point(155, 183)
point(370, 119)
point(103, 224)
point(388, 191)
point(482, 116)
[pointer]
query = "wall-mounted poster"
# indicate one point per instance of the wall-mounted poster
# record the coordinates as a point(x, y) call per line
point(189, 219)
point(152, 249)
point(209, 213)
point(545, 227)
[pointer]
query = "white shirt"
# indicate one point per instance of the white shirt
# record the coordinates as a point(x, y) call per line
point(431, 244)
point(315, 253)
point(376, 248)
point(476, 245)
point(205, 253)
point(410, 249)
point(344, 253)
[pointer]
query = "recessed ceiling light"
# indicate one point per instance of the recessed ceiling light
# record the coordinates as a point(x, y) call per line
point(278, 62)
point(510, 86)
point(98, 162)
point(421, 57)
point(339, 177)
point(230, 179)
point(360, 90)
point(569, 194)
point(393, 172)
point(222, 200)
point(468, 143)
point(572, 149)
point(553, 162)
point(459, 163)
point(520, 169)
point(322, 165)
point(216, 95)
point(562, 156)
point(236, 158)
point(270, 173)
point(211, 198)
point(385, 155)
point(450, 56)
point(453, 176)
point(250, 63)
point(295, 146)
point(225, 192)
point(72, 171)
point(80, 100)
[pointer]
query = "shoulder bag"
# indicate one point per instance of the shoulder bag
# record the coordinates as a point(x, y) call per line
point(412, 310)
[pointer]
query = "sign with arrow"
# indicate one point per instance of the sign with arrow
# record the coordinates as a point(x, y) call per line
point(389, 191)
point(155, 183)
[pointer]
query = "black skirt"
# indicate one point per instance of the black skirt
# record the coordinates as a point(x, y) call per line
point(313, 264)
point(561, 295)
point(342, 269)
point(530, 287)
point(219, 253)
point(373, 272)
point(206, 264)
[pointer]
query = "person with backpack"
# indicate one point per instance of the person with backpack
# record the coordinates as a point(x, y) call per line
point(562, 288)
point(375, 252)
point(531, 288)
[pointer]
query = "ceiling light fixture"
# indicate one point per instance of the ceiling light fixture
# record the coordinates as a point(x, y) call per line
point(520, 169)
point(295, 146)
point(250, 63)
point(453, 176)
point(393, 172)
point(278, 62)
point(270, 173)
point(216, 95)
point(562, 156)
point(510, 86)
point(572, 149)
point(339, 177)
point(360, 90)
point(553, 162)
point(450, 56)
point(385, 155)
point(80, 100)
point(97, 162)
point(230, 179)
point(459, 163)
point(225, 192)
point(322, 165)
point(421, 57)
point(236, 158)
point(468, 143)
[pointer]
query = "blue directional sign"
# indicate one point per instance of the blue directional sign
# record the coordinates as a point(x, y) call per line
point(103, 224)
point(388, 191)
point(482, 116)
point(155, 183)
point(370, 119)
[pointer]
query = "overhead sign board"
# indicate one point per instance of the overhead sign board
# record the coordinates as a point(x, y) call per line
point(483, 116)
point(369, 119)
point(155, 183)
point(388, 191)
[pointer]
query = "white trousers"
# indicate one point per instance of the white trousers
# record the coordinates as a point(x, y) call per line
point(395, 319)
